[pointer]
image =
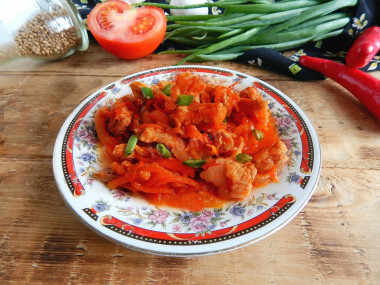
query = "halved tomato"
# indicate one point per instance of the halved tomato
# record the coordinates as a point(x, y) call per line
point(125, 31)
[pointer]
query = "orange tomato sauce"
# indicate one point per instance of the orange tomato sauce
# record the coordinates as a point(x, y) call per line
point(192, 201)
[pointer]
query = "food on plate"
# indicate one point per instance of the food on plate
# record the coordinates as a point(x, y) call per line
point(189, 144)
point(125, 31)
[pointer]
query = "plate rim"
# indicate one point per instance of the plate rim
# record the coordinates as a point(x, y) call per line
point(87, 221)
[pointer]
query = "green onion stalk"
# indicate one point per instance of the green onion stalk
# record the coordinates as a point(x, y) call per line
point(132, 141)
point(185, 100)
point(162, 149)
point(195, 163)
point(246, 25)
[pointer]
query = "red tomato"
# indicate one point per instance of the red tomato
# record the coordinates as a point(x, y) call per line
point(127, 32)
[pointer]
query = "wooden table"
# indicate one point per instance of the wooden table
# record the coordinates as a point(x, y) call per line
point(334, 240)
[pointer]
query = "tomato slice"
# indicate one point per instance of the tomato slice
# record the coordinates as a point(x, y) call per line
point(125, 31)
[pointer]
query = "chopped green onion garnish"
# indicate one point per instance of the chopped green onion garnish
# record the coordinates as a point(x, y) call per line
point(163, 150)
point(147, 92)
point(244, 158)
point(166, 90)
point(196, 163)
point(185, 100)
point(130, 145)
point(258, 134)
point(225, 121)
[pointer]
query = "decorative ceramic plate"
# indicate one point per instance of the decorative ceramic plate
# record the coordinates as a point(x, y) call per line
point(137, 224)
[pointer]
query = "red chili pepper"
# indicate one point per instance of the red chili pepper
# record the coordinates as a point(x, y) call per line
point(365, 47)
point(363, 86)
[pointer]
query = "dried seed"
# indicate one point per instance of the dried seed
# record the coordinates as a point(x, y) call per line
point(38, 37)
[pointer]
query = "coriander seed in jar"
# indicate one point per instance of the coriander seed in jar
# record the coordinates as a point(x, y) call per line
point(43, 29)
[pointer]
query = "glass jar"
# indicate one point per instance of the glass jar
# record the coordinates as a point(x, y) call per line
point(44, 29)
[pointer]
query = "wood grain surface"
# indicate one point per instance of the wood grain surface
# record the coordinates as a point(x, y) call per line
point(334, 239)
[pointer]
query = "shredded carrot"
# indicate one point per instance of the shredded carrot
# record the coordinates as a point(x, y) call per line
point(101, 128)
point(195, 154)
point(117, 169)
point(217, 124)
point(143, 126)
point(126, 178)
point(158, 189)
point(175, 165)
